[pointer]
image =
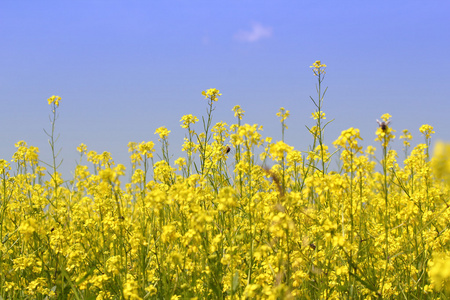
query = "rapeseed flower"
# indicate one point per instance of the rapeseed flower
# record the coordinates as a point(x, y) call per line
point(54, 100)
point(238, 112)
point(82, 148)
point(349, 140)
point(279, 150)
point(163, 132)
point(130, 288)
point(426, 130)
point(188, 120)
point(439, 271)
point(384, 132)
point(283, 114)
point(212, 94)
point(318, 115)
point(318, 68)
point(406, 137)
point(146, 148)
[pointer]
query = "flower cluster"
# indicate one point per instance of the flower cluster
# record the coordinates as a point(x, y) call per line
point(188, 120)
point(163, 132)
point(426, 130)
point(318, 68)
point(385, 132)
point(406, 137)
point(54, 100)
point(283, 114)
point(238, 112)
point(212, 94)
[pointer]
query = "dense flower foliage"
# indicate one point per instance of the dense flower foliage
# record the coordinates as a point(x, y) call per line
point(220, 224)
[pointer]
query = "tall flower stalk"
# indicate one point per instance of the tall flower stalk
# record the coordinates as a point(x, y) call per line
point(283, 114)
point(385, 135)
point(53, 101)
point(188, 146)
point(203, 139)
point(319, 70)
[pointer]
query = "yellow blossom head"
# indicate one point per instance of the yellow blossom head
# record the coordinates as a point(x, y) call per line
point(188, 120)
point(318, 115)
point(238, 112)
point(426, 130)
point(318, 68)
point(82, 148)
point(279, 150)
point(386, 117)
point(370, 150)
point(439, 271)
point(163, 132)
point(180, 162)
point(212, 94)
point(349, 140)
point(283, 114)
point(384, 132)
point(54, 99)
point(146, 149)
point(406, 137)
point(441, 162)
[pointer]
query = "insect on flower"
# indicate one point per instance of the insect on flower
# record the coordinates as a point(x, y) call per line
point(227, 150)
point(383, 125)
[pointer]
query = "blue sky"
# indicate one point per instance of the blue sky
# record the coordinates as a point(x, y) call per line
point(125, 68)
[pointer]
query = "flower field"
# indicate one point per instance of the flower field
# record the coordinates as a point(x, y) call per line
point(240, 216)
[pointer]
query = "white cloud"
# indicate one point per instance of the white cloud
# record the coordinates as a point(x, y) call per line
point(257, 32)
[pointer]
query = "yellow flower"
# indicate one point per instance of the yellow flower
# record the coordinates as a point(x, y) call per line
point(54, 99)
point(152, 290)
point(82, 148)
point(386, 117)
point(406, 137)
point(180, 162)
point(283, 114)
point(294, 156)
point(9, 286)
point(279, 149)
point(169, 234)
point(314, 131)
point(440, 161)
point(163, 132)
point(107, 175)
point(439, 271)
point(226, 199)
point(371, 150)
point(113, 264)
point(385, 133)
point(28, 228)
point(187, 120)
point(318, 115)
point(238, 112)
point(130, 288)
point(146, 148)
point(426, 130)
point(318, 68)
point(349, 139)
point(250, 133)
point(4, 165)
point(212, 94)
